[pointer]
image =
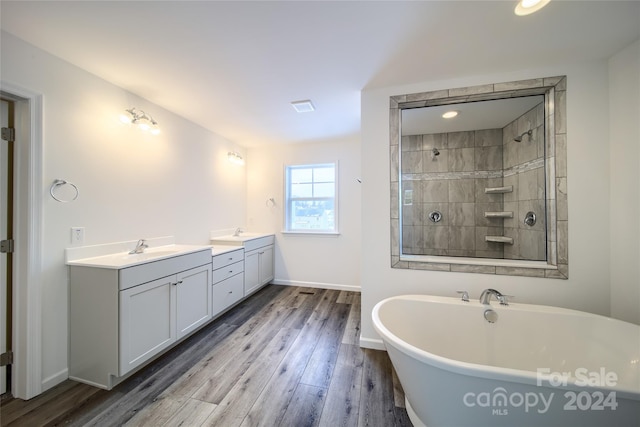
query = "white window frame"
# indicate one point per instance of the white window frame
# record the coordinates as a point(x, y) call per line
point(287, 229)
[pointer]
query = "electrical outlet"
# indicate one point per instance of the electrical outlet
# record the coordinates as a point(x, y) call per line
point(77, 235)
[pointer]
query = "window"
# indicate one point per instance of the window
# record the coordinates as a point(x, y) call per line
point(312, 205)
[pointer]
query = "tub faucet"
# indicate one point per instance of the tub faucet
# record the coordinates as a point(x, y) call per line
point(140, 247)
point(238, 231)
point(464, 295)
point(485, 296)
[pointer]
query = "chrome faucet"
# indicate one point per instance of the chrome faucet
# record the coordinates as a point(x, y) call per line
point(238, 231)
point(140, 247)
point(464, 295)
point(485, 297)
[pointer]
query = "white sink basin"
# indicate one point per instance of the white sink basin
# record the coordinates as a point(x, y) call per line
point(240, 238)
point(125, 259)
point(150, 254)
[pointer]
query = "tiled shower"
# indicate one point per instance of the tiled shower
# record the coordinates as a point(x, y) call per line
point(468, 193)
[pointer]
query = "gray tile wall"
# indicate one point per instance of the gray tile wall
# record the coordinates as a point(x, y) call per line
point(524, 169)
point(462, 212)
point(453, 184)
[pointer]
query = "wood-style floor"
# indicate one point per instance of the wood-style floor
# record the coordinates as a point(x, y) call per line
point(286, 356)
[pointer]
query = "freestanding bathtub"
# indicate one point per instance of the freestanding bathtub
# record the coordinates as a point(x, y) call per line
point(535, 366)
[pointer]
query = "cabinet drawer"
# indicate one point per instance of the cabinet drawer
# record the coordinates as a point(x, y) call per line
point(227, 258)
point(250, 245)
point(225, 272)
point(227, 293)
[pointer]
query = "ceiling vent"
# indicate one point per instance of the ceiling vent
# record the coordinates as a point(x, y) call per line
point(303, 106)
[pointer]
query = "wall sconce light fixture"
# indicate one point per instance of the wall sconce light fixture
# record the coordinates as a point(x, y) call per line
point(235, 158)
point(143, 120)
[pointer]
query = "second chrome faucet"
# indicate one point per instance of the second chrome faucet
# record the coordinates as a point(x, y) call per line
point(485, 297)
point(140, 247)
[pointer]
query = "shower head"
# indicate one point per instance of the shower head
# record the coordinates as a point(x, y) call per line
point(519, 137)
point(435, 152)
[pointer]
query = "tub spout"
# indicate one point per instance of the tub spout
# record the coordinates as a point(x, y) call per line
point(485, 296)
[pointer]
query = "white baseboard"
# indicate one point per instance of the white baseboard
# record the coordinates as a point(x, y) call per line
point(55, 379)
point(319, 285)
point(374, 344)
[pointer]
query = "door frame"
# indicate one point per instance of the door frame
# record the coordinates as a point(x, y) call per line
point(28, 227)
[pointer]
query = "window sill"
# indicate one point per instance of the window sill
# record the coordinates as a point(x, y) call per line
point(311, 233)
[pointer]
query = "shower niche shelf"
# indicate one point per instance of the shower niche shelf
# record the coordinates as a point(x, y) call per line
point(498, 214)
point(499, 239)
point(498, 190)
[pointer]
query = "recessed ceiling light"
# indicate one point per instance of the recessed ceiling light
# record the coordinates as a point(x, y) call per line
point(303, 106)
point(526, 7)
point(450, 114)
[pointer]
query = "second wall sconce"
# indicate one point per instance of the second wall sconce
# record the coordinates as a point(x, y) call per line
point(235, 158)
point(143, 120)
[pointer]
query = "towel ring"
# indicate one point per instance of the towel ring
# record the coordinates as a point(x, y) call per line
point(59, 182)
point(270, 203)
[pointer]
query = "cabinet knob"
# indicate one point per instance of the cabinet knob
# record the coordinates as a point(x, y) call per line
point(177, 283)
point(230, 292)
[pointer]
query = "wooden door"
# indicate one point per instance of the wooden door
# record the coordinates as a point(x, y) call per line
point(6, 235)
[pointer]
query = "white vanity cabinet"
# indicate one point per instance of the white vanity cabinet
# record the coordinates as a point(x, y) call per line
point(258, 257)
point(121, 318)
point(228, 279)
point(258, 263)
point(156, 314)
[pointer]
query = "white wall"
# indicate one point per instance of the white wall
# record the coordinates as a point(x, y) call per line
point(320, 261)
point(624, 116)
point(132, 185)
point(588, 188)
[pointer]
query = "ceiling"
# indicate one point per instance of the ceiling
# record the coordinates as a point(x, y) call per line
point(235, 67)
point(493, 114)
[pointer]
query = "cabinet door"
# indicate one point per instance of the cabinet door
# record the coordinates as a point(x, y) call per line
point(266, 265)
point(147, 321)
point(251, 271)
point(193, 299)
